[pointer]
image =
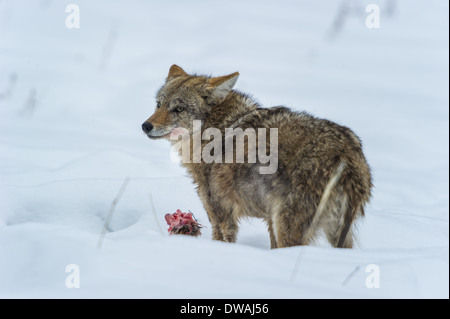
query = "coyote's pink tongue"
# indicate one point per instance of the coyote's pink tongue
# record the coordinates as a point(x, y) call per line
point(178, 131)
point(182, 223)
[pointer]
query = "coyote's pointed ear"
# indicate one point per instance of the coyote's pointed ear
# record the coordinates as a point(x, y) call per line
point(175, 71)
point(220, 87)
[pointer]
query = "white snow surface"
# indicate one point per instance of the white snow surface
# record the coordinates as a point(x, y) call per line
point(72, 102)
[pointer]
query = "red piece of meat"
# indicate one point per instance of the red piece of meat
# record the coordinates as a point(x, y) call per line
point(182, 223)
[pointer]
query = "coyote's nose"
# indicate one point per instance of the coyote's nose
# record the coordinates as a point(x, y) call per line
point(147, 127)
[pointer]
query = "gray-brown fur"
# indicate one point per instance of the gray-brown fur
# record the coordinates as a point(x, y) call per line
point(309, 152)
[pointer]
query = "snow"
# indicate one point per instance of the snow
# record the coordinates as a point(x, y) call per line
point(70, 133)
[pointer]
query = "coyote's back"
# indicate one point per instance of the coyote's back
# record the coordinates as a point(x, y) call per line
point(322, 179)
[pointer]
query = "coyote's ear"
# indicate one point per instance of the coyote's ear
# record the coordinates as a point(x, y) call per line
point(220, 87)
point(175, 71)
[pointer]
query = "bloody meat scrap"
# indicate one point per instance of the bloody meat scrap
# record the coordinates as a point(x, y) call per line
point(182, 224)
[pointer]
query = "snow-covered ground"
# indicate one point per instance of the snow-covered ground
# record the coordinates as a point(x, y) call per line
point(72, 102)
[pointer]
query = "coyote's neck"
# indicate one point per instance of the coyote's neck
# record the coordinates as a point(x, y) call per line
point(232, 109)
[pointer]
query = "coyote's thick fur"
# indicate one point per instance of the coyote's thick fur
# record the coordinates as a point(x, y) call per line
point(322, 180)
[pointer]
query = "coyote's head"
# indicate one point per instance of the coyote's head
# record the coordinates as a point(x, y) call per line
point(184, 98)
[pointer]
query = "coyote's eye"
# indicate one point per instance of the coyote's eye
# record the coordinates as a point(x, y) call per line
point(179, 109)
point(158, 104)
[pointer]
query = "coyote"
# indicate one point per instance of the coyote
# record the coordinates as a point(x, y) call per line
point(322, 180)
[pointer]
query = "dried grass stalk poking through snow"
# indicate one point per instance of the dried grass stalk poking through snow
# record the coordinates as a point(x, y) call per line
point(154, 213)
point(111, 211)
